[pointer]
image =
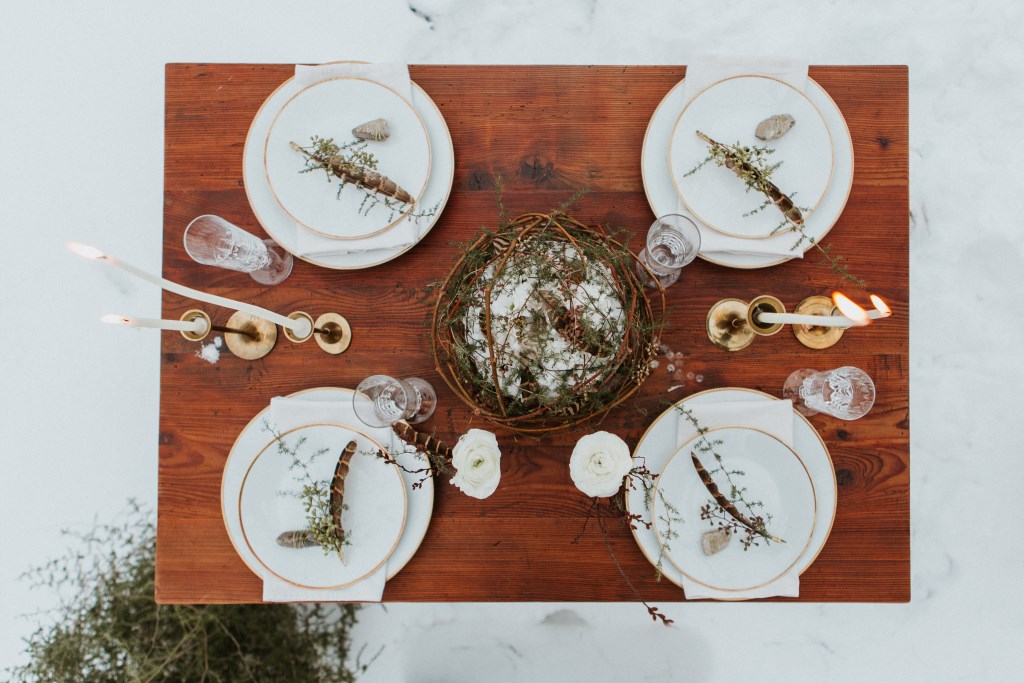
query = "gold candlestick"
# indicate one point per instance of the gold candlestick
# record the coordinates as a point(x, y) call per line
point(732, 324)
point(248, 336)
point(332, 332)
point(813, 336)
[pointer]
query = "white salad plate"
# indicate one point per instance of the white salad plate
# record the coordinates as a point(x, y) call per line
point(663, 198)
point(283, 228)
point(269, 504)
point(331, 109)
point(773, 477)
point(728, 112)
point(247, 449)
point(662, 439)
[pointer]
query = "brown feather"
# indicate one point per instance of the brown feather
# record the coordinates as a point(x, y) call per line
point(725, 503)
point(424, 442)
point(778, 198)
point(338, 487)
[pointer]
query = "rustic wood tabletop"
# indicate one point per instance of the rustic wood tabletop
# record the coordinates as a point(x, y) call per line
point(547, 131)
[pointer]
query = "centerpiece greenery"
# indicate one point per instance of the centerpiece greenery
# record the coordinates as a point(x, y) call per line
point(544, 323)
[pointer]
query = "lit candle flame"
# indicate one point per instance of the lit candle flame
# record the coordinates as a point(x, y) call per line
point(851, 310)
point(114, 319)
point(85, 250)
point(881, 306)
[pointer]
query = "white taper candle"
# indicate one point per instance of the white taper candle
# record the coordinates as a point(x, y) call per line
point(299, 327)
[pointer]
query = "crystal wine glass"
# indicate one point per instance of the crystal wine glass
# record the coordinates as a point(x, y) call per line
point(381, 401)
point(847, 392)
point(213, 241)
point(672, 243)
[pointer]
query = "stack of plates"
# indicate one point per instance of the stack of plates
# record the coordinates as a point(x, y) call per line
point(797, 486)
point(386, 517)
point(418, 156)
point(816, 170)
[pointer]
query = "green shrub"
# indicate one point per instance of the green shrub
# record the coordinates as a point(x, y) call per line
point(107, 626)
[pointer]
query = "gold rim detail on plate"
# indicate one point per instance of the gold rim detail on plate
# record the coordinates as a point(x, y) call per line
point(419, 196)
point(679, 191)
point(810, 535)
point(650, 203)
point(828, 456)
point(323, 264)
point(392, 572)
point(241, 489)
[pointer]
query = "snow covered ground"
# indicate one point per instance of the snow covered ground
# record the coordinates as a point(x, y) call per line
point(81, 134)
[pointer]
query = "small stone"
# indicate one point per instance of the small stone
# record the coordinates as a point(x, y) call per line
point(712, 542)
point(376, 130)
point(774, 127)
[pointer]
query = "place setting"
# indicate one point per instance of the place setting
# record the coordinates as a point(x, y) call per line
point(348, 165)
point(755, 153)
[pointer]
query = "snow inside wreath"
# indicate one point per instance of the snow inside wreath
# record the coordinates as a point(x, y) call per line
point(544, 324)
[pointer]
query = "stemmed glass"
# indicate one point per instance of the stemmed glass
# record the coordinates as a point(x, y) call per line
point(381, 401)
point(673, 242)
point(213, 241)
point(847, 392)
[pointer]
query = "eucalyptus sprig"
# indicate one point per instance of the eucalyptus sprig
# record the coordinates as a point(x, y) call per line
point(314, 494)
point(350, 164)
point(737, 494)
point(753, 166)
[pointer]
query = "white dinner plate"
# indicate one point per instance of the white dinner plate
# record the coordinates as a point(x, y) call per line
point(283, 228)
point(728, 111)
point(773, 475)
point(660, 441)
point(373, 515)
point(663, 198)
point(254, 437)
point(331, 109)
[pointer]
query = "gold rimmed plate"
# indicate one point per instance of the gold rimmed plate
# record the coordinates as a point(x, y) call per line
point(776, 483)
point(735, 252)
point(268, 505)
point(283, 228)
point(728, 111)
point(330, 109)
point(661, 441)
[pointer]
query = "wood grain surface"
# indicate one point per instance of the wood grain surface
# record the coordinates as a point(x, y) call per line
point(547, 130)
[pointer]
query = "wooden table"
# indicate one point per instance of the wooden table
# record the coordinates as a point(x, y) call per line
point(547, 131)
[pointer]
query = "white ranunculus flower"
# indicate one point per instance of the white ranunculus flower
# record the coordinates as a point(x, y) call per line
point(477, 462)
point(598, 464)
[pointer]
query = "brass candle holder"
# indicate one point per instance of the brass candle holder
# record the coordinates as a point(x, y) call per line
point(246, 336)
point(813, 336)
point(332, 332)
point(732, 323)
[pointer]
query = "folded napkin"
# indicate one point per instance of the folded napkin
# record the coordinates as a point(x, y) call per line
point(408, 231)
point(701, 72)
point(773, 417)
point(289, 413)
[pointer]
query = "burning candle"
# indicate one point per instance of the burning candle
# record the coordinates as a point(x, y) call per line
point(197, 325)
point(882, 309)
point(300, 327)
point(852, 315)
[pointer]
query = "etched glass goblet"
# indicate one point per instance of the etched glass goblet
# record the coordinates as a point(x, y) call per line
point(381, 401)
point(847, 392)
point(673, 242)
point(213, 241)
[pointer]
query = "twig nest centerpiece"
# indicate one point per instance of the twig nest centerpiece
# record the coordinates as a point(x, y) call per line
point(544, 324)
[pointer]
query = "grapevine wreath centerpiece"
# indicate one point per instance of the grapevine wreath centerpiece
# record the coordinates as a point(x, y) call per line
point(544, 323)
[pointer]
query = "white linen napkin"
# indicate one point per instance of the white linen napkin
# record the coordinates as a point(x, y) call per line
point(702, 71)
point(775, 418)
point(407, 232)
point(289, 413)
